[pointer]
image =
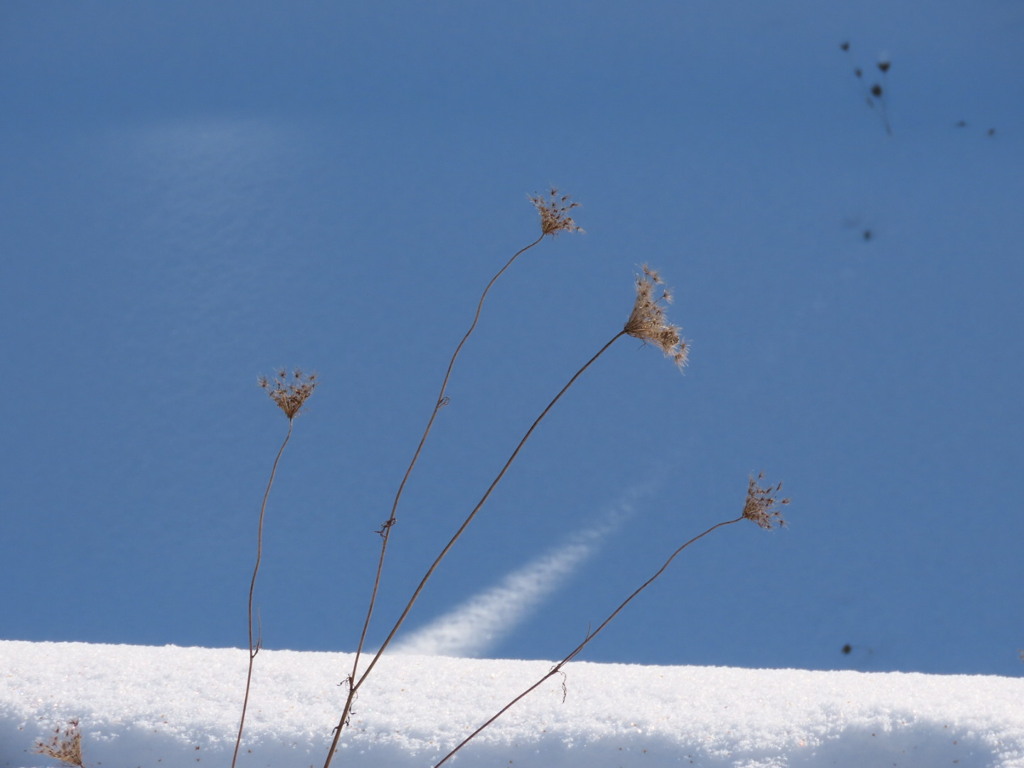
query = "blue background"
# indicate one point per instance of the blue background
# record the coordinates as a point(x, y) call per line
point(196, 194)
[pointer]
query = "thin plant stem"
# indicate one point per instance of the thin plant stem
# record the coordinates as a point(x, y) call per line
point(385, 529)
point(354, 682)
point(586, 641)
point(554, 215)
point(254, 643)
point(439, 403)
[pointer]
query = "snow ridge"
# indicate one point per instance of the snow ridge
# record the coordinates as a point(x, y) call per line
point(174, 707)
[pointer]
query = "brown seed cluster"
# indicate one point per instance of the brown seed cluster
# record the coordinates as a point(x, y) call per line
point(762, 505)
point(647, 321)
point(554, 213)
point(66, 745)
point(289, 391)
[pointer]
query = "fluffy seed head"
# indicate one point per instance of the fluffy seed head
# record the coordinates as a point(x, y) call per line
point(762, 504)
point(554, 213)
point(289, 391)
point(66, 745)
point(647, 321)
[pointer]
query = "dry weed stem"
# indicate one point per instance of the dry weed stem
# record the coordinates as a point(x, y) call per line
point(554, 213)
point(648, 322)
point(555, 218)
point(290, 392)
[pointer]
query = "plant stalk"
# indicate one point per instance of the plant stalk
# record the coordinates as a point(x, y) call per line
point(579, 648)
point(254, 644)
point(355, 682)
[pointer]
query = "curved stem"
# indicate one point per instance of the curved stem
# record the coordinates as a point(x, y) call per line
point(385, 531)
point(590, 636)
point(254, 645)
point(354, 682)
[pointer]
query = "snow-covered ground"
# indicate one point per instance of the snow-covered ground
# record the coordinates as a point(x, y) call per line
point(173, 707)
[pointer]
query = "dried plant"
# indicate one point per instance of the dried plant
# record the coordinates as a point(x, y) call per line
point(289, 391)
point(762, 504)
point(554, 216)
point(554, 213)
point(648, 322)
point(759, 507)
point(66, 745)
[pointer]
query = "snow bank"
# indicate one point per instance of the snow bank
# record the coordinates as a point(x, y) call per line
point(173, 707)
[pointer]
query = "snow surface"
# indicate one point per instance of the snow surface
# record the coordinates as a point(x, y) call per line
point(174, 707)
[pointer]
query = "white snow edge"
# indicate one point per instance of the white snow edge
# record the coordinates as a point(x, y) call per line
point(171, 706)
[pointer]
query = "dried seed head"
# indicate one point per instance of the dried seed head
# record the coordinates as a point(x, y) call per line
point(66, 745)
point(554, 213)
point(289, 391)
point(648, 323)
point(762, 504)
